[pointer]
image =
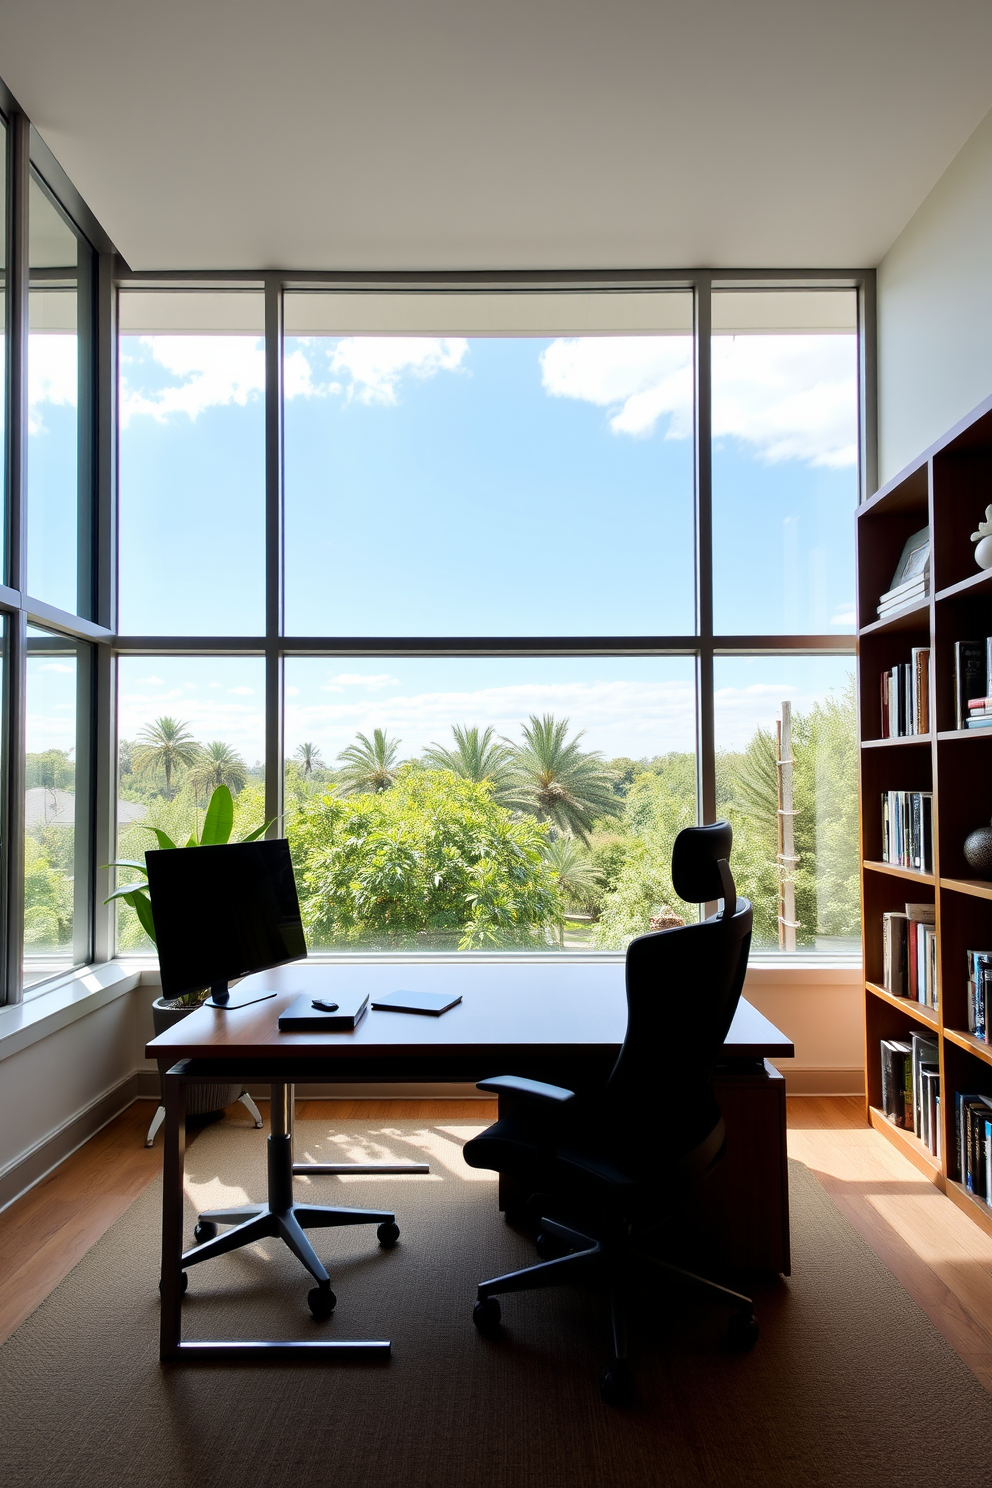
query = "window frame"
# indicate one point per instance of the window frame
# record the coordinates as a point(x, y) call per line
point(704, 645)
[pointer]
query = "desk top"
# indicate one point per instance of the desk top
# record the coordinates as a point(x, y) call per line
point(507, 1011)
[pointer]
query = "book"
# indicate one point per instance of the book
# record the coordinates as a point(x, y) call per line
point(920, 665)
point(929, 1072)
point(970, 678)
point(907, 829)
point(977, 723)
point(894, 938)
point(896, 1056)
point(925, 1051)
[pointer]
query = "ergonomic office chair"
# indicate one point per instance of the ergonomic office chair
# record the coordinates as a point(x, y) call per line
point(608, 1167)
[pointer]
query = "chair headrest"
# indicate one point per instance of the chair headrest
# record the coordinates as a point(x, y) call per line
point(696, 858)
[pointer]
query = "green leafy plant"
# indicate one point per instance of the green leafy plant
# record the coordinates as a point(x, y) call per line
point(218, 824)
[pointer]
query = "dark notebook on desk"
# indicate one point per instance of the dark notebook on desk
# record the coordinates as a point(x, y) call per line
point(431, 1003)
point(302, 1017)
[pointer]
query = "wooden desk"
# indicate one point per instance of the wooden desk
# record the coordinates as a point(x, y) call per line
point(563, 1023)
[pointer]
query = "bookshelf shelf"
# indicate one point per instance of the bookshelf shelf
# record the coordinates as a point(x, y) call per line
point(907, 1005)
point(947, 490)
point(904, 740)
point(968, 1041)
point(976, 1209)
point(895, 871)
point(976, 583)
point(913, 617)
point(909, 1145)
point(978, 888)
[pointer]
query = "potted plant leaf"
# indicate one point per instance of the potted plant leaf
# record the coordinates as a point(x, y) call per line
point(218, 823)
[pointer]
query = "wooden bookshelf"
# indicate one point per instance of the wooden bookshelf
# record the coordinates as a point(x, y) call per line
point(947, 489)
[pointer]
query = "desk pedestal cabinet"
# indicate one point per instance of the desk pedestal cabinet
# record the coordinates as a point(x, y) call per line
point(738, 1221)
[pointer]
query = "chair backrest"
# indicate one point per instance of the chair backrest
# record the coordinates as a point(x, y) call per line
point(683, 987)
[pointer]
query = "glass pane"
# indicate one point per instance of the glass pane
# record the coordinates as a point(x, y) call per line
point(185, 725)
point(192, 463)
point(802, 875)
point(522, 467)
point(785, 461)
point(56, 807)
point(60, 391)
point(487, 803)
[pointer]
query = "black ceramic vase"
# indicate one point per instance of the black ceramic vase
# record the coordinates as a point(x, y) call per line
point(978, 851)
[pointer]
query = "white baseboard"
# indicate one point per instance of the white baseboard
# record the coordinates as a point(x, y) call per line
point(35, 1164)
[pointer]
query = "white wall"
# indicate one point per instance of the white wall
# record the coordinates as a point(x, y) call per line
point(935, 310)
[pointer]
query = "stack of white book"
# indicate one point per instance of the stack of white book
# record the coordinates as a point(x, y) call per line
point(910, 592)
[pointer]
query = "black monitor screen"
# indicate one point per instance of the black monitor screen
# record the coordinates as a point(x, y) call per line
point(223, 912)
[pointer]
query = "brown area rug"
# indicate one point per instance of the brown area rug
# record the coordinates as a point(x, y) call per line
point(850, 1383)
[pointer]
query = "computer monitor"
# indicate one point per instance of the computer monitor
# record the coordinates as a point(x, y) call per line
point(222, 913)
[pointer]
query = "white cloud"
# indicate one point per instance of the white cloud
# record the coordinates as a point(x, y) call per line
point(375, 364)
point(844, 616)
point(149, 682)
point(738, 711)
point(53, 375)
point(242, 691)
point(793, 397)
point(373, 681)
point(57, 666)
point(211, 372)
point(789, 397)
point(639, 377)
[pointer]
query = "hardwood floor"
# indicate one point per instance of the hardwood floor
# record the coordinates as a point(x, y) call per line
point(941, 1257)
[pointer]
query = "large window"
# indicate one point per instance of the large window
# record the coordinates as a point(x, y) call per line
point(498, 611)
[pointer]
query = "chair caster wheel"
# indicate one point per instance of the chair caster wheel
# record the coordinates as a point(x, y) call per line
point(548, 1248)
point(183, 1284)
point(387, 1234)
point(742, 1331)
point(486, 1314)
point(205, 1230)
point(616, 1383)
point(321, 1302)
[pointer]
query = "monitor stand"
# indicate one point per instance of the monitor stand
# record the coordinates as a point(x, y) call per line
point(220, 998)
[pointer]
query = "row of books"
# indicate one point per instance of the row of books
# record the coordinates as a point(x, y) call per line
point(972, 683)
point(911, 1087)
point(973, 1133)
point(980, 994)
point(905, 696)
point(907, 829)
point(909, 953)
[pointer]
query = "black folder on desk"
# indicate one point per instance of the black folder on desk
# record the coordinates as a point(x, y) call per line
point(302, 1017)
point(431, 1003)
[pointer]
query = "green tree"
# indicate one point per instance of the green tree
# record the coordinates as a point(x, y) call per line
point(659, 804)
point(432, 861)
point(218, 764)
point(51, 768)
point(476, 755)
point(554, 780)
point(164, 745)
point(369, 765)
point(310, 758)
point(578, 877)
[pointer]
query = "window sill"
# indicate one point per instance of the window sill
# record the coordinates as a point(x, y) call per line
point(78, 994)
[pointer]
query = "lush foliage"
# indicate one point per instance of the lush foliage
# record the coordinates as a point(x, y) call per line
point(432, 861)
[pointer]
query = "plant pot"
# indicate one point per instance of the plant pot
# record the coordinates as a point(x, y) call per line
point(201, 1100)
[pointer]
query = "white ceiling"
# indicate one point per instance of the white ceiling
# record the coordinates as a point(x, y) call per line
point(455, 134)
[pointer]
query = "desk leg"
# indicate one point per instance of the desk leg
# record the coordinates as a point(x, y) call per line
point(172, 1277)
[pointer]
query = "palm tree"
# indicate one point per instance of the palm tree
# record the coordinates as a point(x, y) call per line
point(218, 764)
point(556, 782)
point(370, 765)
point(578, 876)
point(163, 745)
point(475, 756)
point(310, 758)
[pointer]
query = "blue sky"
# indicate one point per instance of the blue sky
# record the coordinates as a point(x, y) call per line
point(447, 486)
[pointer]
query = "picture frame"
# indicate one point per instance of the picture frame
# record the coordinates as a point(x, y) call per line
point(914, 560)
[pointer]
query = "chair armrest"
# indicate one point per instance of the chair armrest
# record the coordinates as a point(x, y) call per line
point(536, 1090)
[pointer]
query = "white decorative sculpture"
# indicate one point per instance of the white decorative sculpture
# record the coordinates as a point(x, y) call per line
point(983, 553)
